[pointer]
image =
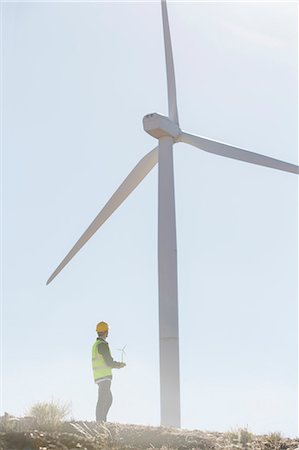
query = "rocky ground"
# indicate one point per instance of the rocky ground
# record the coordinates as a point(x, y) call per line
point(20, 434)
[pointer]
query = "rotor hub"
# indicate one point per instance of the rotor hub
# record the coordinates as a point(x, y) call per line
point(160, 126)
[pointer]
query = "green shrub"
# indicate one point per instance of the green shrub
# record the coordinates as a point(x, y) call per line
point(49, 415)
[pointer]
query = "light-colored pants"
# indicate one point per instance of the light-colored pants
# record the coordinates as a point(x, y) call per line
point(104, 400)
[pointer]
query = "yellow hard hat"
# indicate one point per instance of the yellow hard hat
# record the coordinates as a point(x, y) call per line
point(102, 327)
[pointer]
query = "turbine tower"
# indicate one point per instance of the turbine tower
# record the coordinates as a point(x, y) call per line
point(168, 132)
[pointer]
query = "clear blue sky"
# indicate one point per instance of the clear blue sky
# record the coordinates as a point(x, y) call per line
point(77, 80)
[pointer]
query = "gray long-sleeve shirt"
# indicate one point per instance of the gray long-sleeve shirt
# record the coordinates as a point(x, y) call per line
point(104, 350)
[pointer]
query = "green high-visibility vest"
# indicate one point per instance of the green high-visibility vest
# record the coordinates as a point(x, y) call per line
point(99, 367)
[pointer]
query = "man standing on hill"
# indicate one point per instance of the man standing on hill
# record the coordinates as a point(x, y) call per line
point(102, 365)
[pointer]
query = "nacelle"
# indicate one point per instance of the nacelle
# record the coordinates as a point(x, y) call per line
point(160, 126)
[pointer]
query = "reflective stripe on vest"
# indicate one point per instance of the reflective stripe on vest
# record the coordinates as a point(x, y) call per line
point(99, 367)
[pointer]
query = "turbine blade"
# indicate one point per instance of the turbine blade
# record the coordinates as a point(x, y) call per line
point(128, 185)
point(218, 148)
point(171, 89)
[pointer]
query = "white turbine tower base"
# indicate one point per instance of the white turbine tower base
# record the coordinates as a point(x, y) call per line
point(168, 291)
point(168, 132)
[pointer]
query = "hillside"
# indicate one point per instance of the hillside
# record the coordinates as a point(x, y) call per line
point(21, 435)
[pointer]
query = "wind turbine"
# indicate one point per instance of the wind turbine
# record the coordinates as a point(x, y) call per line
point(167, 130)
point(123, 353)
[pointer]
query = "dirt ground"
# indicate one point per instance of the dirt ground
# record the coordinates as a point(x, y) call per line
point(22, 435)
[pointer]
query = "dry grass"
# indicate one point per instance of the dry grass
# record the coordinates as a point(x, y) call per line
point(48, 416)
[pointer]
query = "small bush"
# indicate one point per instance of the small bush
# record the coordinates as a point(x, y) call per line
point(244, 436)
point(240, 436)
point(48, 416)
point(275, 438)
